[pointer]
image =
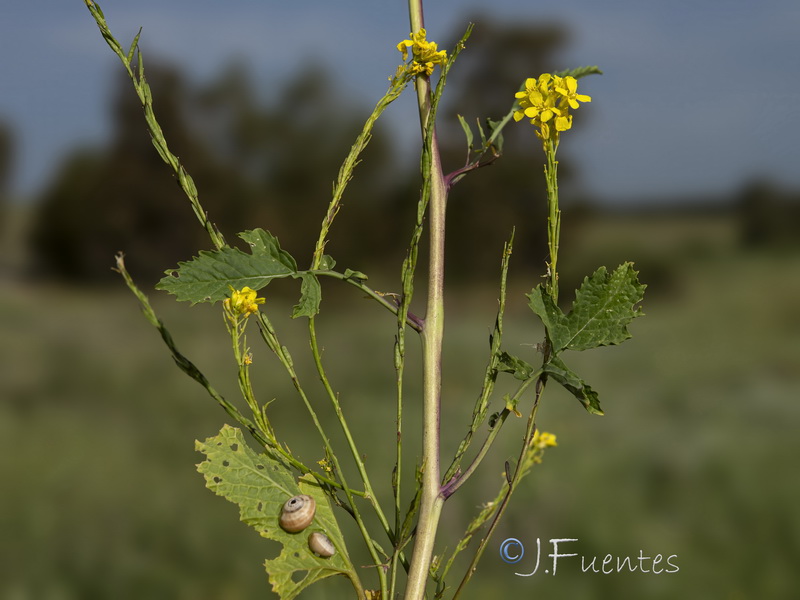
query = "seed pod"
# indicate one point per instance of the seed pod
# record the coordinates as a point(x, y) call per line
point(321, 545)
point(297, 513)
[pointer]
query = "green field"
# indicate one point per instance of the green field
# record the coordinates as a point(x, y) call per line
point(696, 456)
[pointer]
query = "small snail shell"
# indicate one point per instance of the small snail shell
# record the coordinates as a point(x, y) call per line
point(297, 513)
point(321, 545)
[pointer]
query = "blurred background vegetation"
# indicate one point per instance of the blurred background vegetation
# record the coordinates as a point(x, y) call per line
point(696, 456)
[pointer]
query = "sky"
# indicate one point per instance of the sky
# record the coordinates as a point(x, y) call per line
point(698, 97)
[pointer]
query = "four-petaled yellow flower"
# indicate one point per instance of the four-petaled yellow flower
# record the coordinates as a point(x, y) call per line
point(425, 55)
point(547, 100)
point(568, 91)
point(242, 302)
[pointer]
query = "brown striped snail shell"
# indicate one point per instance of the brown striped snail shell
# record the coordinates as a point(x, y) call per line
point(297, 513)
point(321, 545)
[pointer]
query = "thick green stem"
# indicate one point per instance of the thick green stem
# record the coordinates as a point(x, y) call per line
point(431, 499)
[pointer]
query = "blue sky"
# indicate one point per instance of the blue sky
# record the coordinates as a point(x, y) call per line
point(698, 96)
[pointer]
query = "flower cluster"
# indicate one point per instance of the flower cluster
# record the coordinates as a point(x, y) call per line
point(425, 55)
point(542, 440)
point(534, 453)
point(242, 302)
point(546, 101)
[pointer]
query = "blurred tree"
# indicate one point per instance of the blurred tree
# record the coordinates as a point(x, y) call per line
point(254, 166)
point(768, 216)
point(272, 165)
point(9, 225)
point(292, 152)
point(124, 198)
point(6, 156)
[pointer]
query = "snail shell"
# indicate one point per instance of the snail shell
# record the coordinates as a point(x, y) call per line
point(297, 513)
point(321, 545)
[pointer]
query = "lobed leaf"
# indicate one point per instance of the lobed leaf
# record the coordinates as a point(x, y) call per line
point(263, 243)
point(553, 319)
point(604, 306)
point(209, 276)
point(557, 370)
point(260, 485)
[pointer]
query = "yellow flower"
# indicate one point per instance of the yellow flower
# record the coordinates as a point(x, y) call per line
point(547, 100)
point(568, 88)
point(542, 440)
point(242, 302)
point(536, 102)
point(425, 55)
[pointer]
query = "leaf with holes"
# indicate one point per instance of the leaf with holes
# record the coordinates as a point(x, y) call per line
point(260, 485)
point(209, 276)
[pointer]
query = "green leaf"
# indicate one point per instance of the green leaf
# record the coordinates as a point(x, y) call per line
point(557, 370)
point(467, 131)
point(554, 320)
point(511, 404)
point(310, 297)
point(263, 243)
point(209, 276)
point(498, 141)
point(260, 485)
point(327, 263)
point(283, 569)
point(511, 364)
point(579, 72)
point(134, 45)
point(410, 519)
point(355, 275)
point(604, 306)
point(482, 133)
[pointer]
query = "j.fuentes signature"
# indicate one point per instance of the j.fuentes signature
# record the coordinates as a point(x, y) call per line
point(512, 551)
